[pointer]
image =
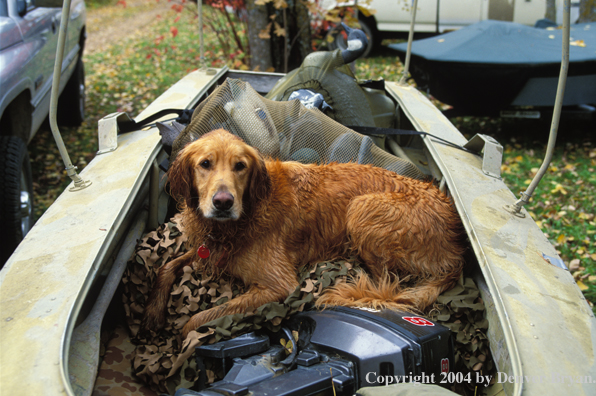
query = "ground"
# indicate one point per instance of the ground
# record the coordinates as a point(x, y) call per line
point(110, 25)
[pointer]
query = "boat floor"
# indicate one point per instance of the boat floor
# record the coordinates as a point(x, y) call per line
point(115, 376)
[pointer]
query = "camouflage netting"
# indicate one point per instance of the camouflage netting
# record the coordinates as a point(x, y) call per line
point(286, 130)
point(165, 362)
point(326, 73)
point(461, 309)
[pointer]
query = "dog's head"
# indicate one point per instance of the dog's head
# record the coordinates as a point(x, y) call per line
point(218, 175)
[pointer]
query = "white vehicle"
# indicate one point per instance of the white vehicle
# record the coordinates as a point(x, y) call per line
point(391, 18)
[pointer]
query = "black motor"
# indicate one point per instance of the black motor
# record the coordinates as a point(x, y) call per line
point(338, 351)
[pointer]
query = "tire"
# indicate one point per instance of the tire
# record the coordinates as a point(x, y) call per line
point(16, 194)
point(339, 41)
point(71, 104)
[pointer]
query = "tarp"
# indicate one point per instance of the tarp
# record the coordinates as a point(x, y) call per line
point(493, 65)
point(506, 43)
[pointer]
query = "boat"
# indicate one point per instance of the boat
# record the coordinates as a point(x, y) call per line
point(58, 287)
point(495, 65)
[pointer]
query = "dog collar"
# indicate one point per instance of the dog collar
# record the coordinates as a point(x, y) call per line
point(204, 252)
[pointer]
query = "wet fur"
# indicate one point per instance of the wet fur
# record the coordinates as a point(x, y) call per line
point(291, 215)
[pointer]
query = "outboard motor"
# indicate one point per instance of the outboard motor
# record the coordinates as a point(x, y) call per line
point(337, 351)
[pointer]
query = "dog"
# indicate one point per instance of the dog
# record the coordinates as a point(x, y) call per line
point(260, 220)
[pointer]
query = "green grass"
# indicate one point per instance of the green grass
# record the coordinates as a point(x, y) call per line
point(129, 76)
point(563, 203)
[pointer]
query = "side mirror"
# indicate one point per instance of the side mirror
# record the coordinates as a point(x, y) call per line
point(21, 7)
point(49, 3)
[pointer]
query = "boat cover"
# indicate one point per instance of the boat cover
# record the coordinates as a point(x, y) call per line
point(506, 43)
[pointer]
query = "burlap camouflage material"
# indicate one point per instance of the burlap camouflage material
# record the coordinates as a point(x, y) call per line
point(165, 362)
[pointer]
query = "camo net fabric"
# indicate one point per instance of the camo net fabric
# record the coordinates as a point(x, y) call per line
point(286, 130)
point(165, 362)
point(326, 73)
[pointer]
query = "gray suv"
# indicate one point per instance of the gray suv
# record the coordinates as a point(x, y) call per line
point(28, 41)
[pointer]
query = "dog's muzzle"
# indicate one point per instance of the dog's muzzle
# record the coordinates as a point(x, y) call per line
point(223, 201)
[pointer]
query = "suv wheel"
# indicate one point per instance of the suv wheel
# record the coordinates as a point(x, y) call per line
point(16, 194)
point(71, 104)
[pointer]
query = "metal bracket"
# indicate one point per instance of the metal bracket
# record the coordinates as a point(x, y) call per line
point(492, 153)
point(108, 131)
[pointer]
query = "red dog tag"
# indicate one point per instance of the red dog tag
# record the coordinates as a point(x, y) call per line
point(203, 251)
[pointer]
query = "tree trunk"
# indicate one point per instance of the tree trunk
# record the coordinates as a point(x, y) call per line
point(551, 10)
point(260, 49)
point(290, 51)
point(587, 11)
point(304, 42)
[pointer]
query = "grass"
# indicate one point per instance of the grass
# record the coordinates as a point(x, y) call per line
point(128, 76)
point(563, 203)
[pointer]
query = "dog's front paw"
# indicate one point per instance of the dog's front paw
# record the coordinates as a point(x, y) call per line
point(194, 323)
point(200, 319)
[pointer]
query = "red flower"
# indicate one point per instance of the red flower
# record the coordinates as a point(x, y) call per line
point(174, 31)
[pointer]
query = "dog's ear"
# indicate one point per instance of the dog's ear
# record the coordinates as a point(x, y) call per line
point(181, 179)
point(260, 182)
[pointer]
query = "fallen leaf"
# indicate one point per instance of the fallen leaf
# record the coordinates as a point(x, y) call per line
point(278, 4)
point(574, 265)
point(559, 189)
point(582, 286)
point(264, 34)
point(279, 31)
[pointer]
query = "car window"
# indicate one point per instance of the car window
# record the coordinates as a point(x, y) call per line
point(3, 8)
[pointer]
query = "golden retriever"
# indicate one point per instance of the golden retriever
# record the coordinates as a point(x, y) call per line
point(260, 220)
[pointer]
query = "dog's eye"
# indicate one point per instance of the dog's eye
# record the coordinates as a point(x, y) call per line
point(239, 166)
point(205, 164)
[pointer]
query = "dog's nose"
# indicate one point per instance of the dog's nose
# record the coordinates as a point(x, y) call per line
point(223, 200)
